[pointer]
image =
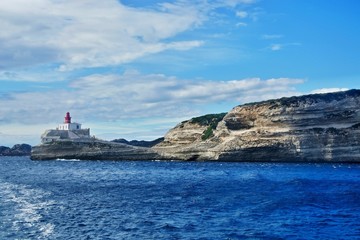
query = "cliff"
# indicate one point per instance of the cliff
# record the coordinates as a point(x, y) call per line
point(311, 128)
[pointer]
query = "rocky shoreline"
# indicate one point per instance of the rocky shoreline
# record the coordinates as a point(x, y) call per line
point(92, 149)
point(310, 128)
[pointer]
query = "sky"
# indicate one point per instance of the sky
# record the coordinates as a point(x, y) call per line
point(134, 69)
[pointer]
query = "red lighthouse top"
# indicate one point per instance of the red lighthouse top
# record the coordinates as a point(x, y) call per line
point(67, 118)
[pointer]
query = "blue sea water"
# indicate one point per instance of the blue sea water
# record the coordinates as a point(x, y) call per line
point(177, 200)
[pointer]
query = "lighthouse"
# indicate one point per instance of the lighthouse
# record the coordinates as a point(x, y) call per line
point(68, 125)
point(67, 131)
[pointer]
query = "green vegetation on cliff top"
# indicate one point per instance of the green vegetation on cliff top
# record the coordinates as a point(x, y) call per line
point(210, 120)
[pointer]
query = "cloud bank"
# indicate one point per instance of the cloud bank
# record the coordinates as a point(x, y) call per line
point(133, 95)
point(89, 33)
point(329, 90)
point(92, 33)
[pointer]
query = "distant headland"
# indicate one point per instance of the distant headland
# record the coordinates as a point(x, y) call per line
point(309, 128)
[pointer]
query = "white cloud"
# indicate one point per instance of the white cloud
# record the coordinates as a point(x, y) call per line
point(276, 47)
point(133, 95)
point(281, 46)
point(241, 24)
point(101, 33)
point(133, 105)
point(233, 3)
point(43, 74)
point(329, 90)
point(271, 36)
point(242, 14)
point(92, 33)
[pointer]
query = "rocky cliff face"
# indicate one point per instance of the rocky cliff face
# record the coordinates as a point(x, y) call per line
point(311, 128)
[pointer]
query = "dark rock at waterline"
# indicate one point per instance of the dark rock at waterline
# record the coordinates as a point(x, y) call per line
point(91, 149)
point(16, 150)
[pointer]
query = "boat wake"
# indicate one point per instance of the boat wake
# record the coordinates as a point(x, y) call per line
point(26, 208)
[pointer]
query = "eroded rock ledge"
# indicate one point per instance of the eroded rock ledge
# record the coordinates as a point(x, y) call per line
point(311, 128)
point(91, 150)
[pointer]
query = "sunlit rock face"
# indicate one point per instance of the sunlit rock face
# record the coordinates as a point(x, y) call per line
point(311, 128)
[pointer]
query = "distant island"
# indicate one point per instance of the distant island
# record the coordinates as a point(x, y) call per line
point(16, 150)
point(309, 128)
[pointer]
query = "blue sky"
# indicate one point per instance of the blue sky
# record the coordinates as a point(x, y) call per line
point(134, 69)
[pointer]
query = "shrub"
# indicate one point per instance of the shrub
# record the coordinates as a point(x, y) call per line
point(207, 133)
point(210, 120)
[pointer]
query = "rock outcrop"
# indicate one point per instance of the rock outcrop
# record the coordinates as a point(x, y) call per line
point(16, 150)
point(91, 149)
point(141, 143)
point(311, 128)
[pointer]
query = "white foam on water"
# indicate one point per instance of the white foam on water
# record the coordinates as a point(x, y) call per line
point(47, 229)
point(28, 204)
point(68, 160)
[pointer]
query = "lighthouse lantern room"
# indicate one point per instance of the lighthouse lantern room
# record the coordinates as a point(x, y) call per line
point(68, 125)
point(67, 118)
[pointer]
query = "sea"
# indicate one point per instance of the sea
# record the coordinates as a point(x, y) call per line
point(72, 199)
